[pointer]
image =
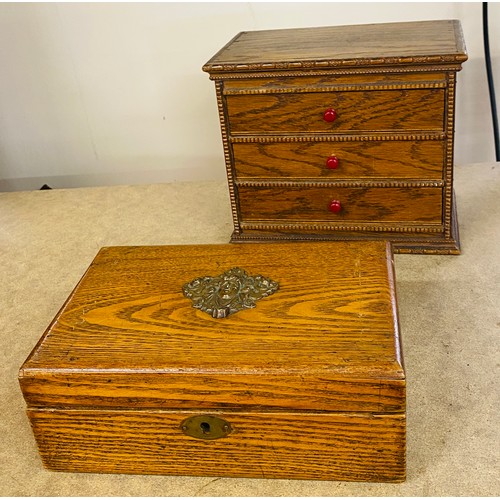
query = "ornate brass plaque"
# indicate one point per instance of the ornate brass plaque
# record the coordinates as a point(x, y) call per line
point(230, 292)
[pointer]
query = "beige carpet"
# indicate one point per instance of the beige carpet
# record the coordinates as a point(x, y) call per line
point(449, 314)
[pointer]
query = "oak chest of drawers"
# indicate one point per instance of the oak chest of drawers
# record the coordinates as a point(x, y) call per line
point(275, 361)
point(342, 133)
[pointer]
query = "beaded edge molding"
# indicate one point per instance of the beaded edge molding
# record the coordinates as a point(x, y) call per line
point(448, 167)
point(346, 183)
point(438, 136)
point(335, 227)
point(227, 156)
point(336, 63)
point(333, 72)
point(336, 88)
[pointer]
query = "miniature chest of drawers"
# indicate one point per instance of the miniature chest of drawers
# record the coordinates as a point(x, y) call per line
point(342, 133)
point(277, 361)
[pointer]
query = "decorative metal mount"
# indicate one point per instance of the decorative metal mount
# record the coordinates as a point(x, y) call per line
point(230, 292)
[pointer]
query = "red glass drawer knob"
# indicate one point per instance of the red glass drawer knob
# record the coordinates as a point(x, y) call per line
point(332, 162)
point(330, 115)
point(335, 206)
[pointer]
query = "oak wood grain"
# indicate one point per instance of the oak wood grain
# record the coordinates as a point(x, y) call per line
point(311, 381)
point(420, 159)
point(427, 42)
point(348, 447)
point(393, 87)
point(358, 204)
point(389, 110)
point(327, 340)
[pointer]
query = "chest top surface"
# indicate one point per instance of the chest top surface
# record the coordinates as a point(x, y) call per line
point(372, 44)
point(333, 317)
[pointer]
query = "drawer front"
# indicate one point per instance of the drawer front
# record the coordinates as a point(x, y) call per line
point(331, 446)
point(340, 160)
point(380, 110)
point(420, 205)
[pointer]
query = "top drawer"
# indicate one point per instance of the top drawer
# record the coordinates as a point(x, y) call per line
point(356, 111)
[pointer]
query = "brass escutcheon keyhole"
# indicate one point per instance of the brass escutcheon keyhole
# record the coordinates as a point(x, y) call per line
point(206, 427)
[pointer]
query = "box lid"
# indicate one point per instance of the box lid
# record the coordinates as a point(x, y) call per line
point(129, 336)
point(421, 42)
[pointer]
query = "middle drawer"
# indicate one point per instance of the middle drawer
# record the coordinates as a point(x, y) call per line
point(414, 159)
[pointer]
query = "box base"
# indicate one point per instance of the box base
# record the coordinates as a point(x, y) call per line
point(431, 243)
point(286, 445)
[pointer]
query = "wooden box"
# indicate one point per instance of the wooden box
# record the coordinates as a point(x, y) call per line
point(342, 133)
point(289, 366)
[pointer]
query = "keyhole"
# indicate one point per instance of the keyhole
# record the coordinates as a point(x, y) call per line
point(205, 427)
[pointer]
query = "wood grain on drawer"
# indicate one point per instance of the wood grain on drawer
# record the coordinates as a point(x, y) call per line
point(356, 159)
point(382, 110)
point(341, 446)
point(309, 203)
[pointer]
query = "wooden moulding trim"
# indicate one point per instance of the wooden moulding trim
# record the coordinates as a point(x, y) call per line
point(227, 155)
point(339, 227)
point(352, 71)
point(365, 63)
point(337, 138)
point(407, 245)
point(337, 88)
point(440, 249)
point(383, 183)
point(448, 174)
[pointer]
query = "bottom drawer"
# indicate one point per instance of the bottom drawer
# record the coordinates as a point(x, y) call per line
point(331, 446)
point(372, 204)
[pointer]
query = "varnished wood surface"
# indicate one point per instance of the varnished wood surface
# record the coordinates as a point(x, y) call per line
point(327, 340)
point(358, 204)
point(404, 238)
point(384, 81)
point(357, 160)
point(136, 388)
point(348, 447)
point(357, 111)
point(321, 83)
point(393, 88)
point(430, 291)
point(369, 44)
